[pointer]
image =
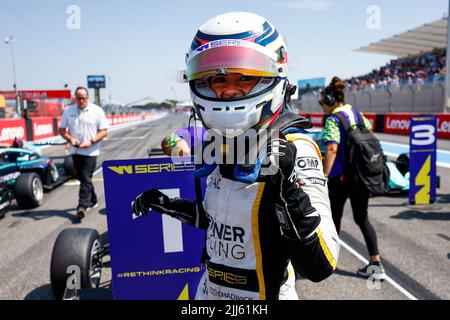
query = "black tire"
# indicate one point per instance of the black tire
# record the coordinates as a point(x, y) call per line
point(29, 191)
point(75, 247)
point(402, 163)
point(69, 167)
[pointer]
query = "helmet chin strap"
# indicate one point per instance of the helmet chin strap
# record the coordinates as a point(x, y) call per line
point(192, 116)
point(290, 91)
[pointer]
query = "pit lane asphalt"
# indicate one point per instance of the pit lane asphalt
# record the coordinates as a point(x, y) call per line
point(414, 244)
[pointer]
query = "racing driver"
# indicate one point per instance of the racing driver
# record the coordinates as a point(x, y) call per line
point(260, 227)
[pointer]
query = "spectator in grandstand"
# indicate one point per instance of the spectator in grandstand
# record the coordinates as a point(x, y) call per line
point(411, 70)
point(84, 125)
point(341, 184)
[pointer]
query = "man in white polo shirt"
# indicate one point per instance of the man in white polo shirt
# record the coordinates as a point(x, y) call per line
point(87, 126)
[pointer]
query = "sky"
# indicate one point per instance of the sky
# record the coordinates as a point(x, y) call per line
point(140, 45)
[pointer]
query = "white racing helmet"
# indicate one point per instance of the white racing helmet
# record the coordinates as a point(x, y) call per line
point(243, 43)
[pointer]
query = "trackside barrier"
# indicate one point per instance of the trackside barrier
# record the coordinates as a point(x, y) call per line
point(10, 129)
point(43, 127)
point(38, 128)
point(318, 119)
point(393, 123)
point(400, 123)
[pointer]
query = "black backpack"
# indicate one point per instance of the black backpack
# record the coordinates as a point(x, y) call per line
point(365, 161)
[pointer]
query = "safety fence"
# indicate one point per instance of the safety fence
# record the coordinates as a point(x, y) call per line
point(415, 98)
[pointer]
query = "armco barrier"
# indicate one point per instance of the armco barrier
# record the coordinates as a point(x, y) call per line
point(38, 128)
point(121, 119)
point(393, 123)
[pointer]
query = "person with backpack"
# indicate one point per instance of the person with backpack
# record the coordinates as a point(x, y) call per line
point(353, 164)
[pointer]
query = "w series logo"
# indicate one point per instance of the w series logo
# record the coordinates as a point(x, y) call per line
point(153, 168)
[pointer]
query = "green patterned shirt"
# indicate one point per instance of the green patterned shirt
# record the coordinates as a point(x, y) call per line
point(332, 131)
point(172, 140)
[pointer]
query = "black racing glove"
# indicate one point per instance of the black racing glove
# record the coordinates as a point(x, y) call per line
point(297, 217)
point(180, 209)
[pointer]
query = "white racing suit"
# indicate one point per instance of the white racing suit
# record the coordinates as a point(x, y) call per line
point(247, 255)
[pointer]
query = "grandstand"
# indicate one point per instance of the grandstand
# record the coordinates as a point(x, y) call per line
point(413, 82)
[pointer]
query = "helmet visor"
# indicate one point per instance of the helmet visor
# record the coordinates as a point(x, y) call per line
point(231, 59)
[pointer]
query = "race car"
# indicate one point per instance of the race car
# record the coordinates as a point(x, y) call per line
point(6, 195)
point(89, 252)
point(25, 175)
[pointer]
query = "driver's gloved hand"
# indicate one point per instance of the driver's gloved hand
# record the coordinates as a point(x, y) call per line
point(297, 217)
point(181, 209)
point(150, 199)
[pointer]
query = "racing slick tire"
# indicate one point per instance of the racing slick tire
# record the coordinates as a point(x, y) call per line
point(402, 163)
point(29, 191)
point(69, 167)
point(79, 248)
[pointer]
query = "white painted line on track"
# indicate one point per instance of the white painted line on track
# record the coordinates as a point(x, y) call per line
point(77, 183)
point(128, 138)
point(98, 171)
point(388, 279)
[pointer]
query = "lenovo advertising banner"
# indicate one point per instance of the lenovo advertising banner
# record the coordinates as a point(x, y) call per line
point(400, 123)
point(443, 126)
point(37, 94)
point(11, 129)
point(42, 128)
point(318, 119)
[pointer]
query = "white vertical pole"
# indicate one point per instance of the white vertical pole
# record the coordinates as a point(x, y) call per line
point(447, 68)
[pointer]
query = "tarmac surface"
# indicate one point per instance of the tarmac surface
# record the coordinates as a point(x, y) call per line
point(414, 244)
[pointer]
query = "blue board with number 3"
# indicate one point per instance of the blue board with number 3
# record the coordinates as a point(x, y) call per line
point(423, 146)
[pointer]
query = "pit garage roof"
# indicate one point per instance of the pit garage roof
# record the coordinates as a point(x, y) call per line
point(412, 42)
